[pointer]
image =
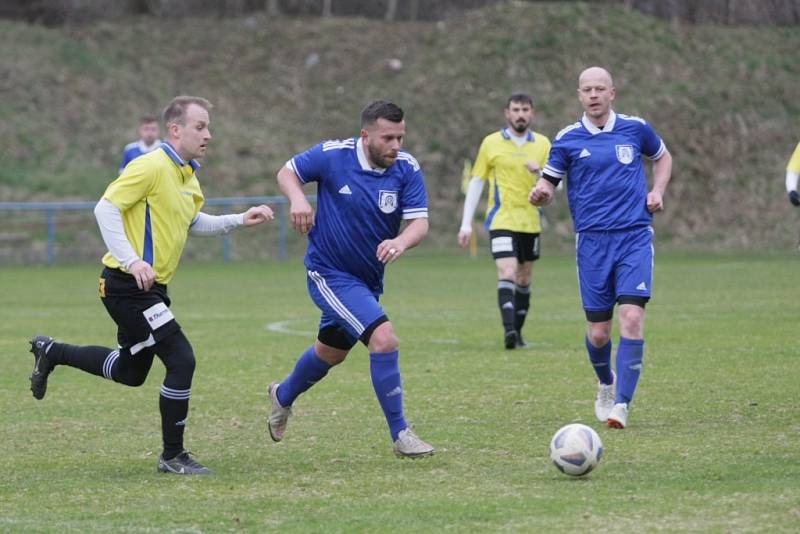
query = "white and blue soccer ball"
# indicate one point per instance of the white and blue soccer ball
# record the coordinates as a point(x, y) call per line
point(576, 449)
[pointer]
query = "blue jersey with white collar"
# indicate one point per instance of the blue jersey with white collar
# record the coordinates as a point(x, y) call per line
point(357, 207)
point(136, 149)
point(606, 180)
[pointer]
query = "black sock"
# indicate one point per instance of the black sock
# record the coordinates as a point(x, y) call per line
point(522, 301)
point(173, 422)
point(176, 353)
point(505, 299)
point(89, 358)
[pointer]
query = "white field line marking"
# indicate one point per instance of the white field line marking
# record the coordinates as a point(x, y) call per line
point(283, 327)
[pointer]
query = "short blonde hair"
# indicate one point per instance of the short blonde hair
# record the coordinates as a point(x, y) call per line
point(175, 112)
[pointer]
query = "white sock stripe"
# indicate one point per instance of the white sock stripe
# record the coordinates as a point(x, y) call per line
point(335, 303)
point(176, 391)
point(175, 394)
point(108, 364)
point(174, 397)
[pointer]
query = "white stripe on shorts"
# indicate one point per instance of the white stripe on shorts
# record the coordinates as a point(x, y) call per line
point(335, 303)
point(149, 342)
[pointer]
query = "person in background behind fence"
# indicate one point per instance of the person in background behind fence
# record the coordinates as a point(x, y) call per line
point(145, 217)
point(149, 133)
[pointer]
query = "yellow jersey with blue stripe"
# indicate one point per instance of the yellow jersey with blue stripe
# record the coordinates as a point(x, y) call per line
point(794, 161)
point(501, 162)
point(159, 196)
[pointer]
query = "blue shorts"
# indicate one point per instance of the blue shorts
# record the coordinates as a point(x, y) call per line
point(346, 302)
point(614, 265)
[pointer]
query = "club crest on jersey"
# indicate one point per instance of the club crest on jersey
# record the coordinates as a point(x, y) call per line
point(624, 153)
point(387, 201)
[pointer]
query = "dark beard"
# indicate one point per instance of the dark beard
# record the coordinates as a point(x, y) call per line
point(378, 159)
point(519, 129)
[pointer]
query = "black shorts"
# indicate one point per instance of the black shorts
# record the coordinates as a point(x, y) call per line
point(509, 244)
point(143, 317)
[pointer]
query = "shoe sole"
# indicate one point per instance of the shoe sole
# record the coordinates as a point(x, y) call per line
point(414, 456)
point(272, 401)
point(38, 386)
point(171, 472)
point(613, 423)
point(38, 391)
point(275, 438)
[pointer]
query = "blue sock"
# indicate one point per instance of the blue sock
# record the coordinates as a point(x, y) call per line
point(308, 370)
point(601, 361)
point(385, 372)
point(629, 366)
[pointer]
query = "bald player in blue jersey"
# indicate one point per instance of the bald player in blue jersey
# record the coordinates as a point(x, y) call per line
point(366, 187)
point(601, 157)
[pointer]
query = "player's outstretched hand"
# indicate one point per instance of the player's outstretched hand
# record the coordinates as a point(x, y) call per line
point(542, 193)
point(464, 237)
point(390, 250)
point(143, 273)
point(302, 215)
point(794, 198)
point(257, 215)
point(655, 202)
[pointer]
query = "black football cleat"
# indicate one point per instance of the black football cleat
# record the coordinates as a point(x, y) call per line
point(183, 464)
point(41, 365)
point(511, 339)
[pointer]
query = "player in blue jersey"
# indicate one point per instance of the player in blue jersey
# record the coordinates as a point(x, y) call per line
point(366, 187)
point(601, 157)
point(148, 141)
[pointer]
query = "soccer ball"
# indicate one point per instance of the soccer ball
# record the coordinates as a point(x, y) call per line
point(576, 449)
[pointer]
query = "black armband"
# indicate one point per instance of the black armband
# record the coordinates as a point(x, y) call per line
point(552, 179)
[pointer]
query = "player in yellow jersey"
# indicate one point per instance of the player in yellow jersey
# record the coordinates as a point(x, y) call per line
point(511, 161)
point(145, 217)
point(792, 175)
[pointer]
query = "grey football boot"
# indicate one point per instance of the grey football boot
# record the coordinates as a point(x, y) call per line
point(409, 445)
point(183, 464)
point(278, 415)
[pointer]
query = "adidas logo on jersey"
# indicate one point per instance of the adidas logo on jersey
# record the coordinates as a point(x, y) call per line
point(584, 154)
point(642, 287)
point(345, 190)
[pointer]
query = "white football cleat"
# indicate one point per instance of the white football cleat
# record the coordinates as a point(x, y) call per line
point(408, 445)
point(618, 418)
point(278, 415)
point(605, 399)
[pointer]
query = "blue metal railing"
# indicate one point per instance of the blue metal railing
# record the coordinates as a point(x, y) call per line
point(51, 208)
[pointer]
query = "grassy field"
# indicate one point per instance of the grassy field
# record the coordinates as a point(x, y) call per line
point(712, 443)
